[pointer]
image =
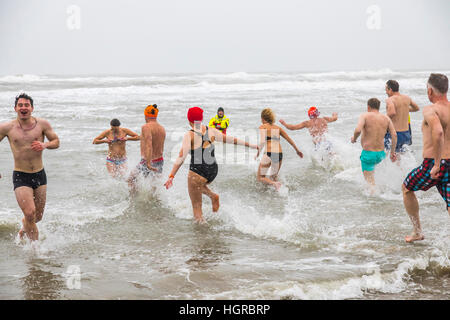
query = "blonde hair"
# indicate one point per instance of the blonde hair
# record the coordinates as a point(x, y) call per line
point(268, 115)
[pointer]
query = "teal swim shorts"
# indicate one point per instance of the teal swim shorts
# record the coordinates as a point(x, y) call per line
point(369, 159)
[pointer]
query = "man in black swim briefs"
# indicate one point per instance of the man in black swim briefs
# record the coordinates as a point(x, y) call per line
point(26, 135)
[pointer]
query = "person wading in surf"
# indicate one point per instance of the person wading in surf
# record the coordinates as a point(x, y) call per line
point(270, 136)
point(434, 171)
point(199, 143)
point(116, 137)
point(26, 135)
point(373, 126)
point(398, 107)
point(153, 136)
point(317, 126)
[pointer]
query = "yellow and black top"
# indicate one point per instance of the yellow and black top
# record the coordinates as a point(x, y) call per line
point(220, 123)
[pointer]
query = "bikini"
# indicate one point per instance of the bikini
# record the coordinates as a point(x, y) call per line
point(116, 161)
point(275, 157)
point(203, 160)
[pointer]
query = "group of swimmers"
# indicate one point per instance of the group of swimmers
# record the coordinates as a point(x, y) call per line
point(27, 134)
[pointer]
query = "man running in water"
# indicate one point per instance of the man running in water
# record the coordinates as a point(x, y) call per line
point(26, 135)
point(318, 127)
point(220, 121)
point(116, 137)
point(153, 136)
point(398, 107)
point(373, 126)
point(434, 171)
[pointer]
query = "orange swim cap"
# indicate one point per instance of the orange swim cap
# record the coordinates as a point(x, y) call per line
point(151, 111)
point(313, 113)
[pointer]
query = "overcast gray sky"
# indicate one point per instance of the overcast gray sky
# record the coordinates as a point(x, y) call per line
point(182, 36)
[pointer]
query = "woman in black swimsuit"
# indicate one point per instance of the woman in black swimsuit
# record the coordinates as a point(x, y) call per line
point(203, 168)
point(270, 138)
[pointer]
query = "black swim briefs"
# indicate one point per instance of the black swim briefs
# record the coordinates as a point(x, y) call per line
point(30, 180)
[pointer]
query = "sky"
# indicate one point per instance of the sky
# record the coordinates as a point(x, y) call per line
point(196, 36)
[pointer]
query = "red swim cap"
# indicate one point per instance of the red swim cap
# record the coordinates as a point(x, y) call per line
point(313, 112)
point(195, 114)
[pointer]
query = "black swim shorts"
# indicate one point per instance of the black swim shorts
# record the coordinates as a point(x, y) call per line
point(30, 180)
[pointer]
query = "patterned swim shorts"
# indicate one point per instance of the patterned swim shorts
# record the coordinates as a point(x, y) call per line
point(420, 178)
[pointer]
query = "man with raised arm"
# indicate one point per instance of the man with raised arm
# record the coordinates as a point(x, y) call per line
point(317, 126)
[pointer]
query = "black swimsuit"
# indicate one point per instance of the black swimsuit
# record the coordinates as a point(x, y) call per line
point(30, 180)
point(203, 160)
point(275, 157)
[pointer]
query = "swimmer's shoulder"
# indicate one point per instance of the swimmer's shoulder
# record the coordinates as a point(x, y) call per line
point(6, 127)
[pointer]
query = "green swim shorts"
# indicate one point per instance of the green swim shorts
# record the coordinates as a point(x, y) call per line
point(369, 159)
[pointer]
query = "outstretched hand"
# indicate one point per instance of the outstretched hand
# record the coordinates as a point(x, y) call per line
point(282, 122)
point(169, 183)
point(299, 153)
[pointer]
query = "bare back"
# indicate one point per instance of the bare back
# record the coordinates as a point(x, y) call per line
point(401, 105)
point(273, 132)
point(317, 128)
point(442, 110)
point(374, 130)
point(156, 135)
point(26, 159)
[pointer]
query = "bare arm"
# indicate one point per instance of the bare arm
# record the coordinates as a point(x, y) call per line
point(393, 133)
point(333, 118)
point(53, 140)
point(219, 136)
point(133, 135)
point(185, 148)
point(359, 128)
point(101, 137)
point(390, 109)
point(4, 129)
point(413, 107)
point(299, 126)
point(147, 145)
point(291, 142)
point(437, 138)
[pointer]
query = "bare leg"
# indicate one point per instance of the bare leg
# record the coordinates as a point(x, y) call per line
point(263, 169)
point(412, 208)
point(40, 196)
point(195, 189)
point(275, 168)
point(213, 196)
point(25, 199)
point(111, 168)
point(121, 170)
point(370, 178)
point(132, 181)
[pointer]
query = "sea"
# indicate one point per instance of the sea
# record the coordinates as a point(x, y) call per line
point(322, 236)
